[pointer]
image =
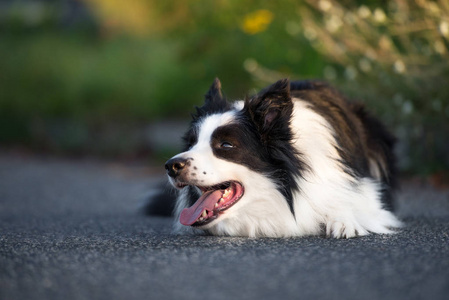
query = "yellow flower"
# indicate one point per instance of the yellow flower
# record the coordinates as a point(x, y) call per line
point(257, 21)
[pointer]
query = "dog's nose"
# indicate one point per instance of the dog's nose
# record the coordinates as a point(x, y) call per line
point(174, 166)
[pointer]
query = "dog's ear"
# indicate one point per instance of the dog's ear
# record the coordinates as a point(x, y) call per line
point(214, 101)
point(214, 95)
point(271, 109)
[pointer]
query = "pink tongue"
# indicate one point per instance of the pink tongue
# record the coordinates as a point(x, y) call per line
point(206, 201)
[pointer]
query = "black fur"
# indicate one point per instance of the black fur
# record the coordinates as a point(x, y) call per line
point(380, 142)
point(193, 195)
point(267, 116)
point(161, 202)
point(214, 103)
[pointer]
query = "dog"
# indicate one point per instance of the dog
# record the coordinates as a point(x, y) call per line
point(296, 159)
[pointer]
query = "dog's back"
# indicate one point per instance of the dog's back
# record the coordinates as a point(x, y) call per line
point(365, 143)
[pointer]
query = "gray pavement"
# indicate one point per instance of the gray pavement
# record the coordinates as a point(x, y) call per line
point(73, 230)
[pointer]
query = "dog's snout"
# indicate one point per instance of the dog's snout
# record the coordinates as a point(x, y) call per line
point(174, 166)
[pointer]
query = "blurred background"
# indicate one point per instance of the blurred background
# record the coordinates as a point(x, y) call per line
point(118, 79)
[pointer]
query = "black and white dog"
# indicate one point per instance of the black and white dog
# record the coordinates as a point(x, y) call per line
point(296, 159)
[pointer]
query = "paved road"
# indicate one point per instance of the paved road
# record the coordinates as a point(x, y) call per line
point(72, 230)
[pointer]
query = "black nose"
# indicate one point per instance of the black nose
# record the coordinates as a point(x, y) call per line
point(174, 166)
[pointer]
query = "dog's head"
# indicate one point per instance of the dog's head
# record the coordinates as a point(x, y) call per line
point(233, 153)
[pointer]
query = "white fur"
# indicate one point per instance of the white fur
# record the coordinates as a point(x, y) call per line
point(328, 196)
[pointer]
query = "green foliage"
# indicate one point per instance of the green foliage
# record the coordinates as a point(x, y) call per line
point(394, 56)
point(87, 88)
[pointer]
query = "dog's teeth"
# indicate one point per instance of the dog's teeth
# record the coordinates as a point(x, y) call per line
point(216, 205)
point(204, 215)
point(221, 201)
point(201, 219)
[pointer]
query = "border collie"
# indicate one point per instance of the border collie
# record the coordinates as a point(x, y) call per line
point(295, 159)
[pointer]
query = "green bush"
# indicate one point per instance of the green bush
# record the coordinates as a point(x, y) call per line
point(87, 90)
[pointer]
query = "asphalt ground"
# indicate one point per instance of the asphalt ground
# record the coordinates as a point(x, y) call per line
point(74, 229)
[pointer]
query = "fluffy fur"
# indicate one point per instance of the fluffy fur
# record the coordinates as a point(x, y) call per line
point(309, 162)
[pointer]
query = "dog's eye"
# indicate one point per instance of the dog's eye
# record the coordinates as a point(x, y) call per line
point(226, 145)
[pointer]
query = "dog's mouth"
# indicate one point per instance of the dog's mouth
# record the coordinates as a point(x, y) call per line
point(213, 202)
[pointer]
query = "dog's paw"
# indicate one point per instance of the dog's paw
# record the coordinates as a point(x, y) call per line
point(345, 230)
